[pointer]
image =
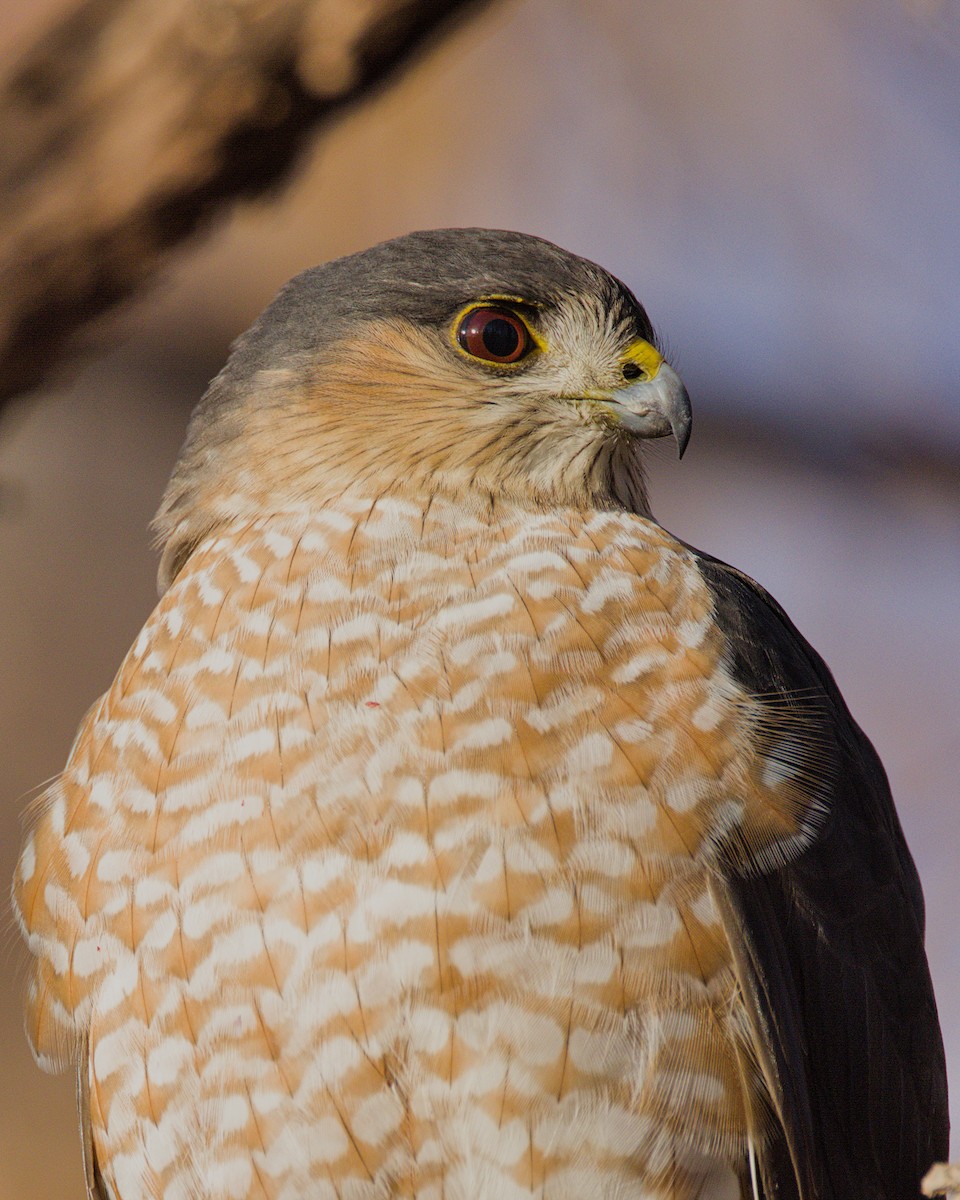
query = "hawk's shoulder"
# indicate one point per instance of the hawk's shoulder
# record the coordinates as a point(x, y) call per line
point(830, 944)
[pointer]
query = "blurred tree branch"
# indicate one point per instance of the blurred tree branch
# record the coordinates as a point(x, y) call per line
point(132, 124)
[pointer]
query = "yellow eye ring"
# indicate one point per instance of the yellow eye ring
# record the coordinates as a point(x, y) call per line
point(494, 333)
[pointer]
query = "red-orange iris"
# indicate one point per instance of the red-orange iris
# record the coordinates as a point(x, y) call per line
point(494, 334)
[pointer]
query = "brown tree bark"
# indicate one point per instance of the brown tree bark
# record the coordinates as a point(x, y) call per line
point(133, 123)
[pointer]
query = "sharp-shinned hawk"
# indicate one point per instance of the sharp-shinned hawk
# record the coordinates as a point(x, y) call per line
point(452, 831)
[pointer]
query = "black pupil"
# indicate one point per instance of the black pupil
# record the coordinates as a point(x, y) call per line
point(500, 337)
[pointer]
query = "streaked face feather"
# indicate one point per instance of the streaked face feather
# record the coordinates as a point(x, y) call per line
point(392, 406)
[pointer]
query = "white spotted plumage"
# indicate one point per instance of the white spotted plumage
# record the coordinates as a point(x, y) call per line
point(380, 869)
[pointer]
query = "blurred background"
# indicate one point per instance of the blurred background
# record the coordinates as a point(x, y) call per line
point(778, 180)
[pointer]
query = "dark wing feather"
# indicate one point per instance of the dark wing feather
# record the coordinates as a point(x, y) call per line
point(830, 950)
point(96, 1189)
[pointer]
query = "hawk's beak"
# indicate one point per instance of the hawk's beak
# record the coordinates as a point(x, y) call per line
point(656, 404)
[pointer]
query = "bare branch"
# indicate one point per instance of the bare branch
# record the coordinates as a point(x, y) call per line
point(132, 124)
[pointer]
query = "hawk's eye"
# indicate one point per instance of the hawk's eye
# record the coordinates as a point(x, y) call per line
point(494, 334)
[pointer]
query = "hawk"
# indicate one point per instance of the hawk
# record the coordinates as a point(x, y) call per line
point(451, 830)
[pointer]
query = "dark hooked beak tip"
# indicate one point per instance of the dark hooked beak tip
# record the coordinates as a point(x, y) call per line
point(656, 408)
point(681, 422)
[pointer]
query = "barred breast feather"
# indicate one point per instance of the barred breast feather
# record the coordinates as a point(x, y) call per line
point(383, 868)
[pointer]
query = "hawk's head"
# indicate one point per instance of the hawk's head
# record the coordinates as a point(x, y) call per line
point(477, 363)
